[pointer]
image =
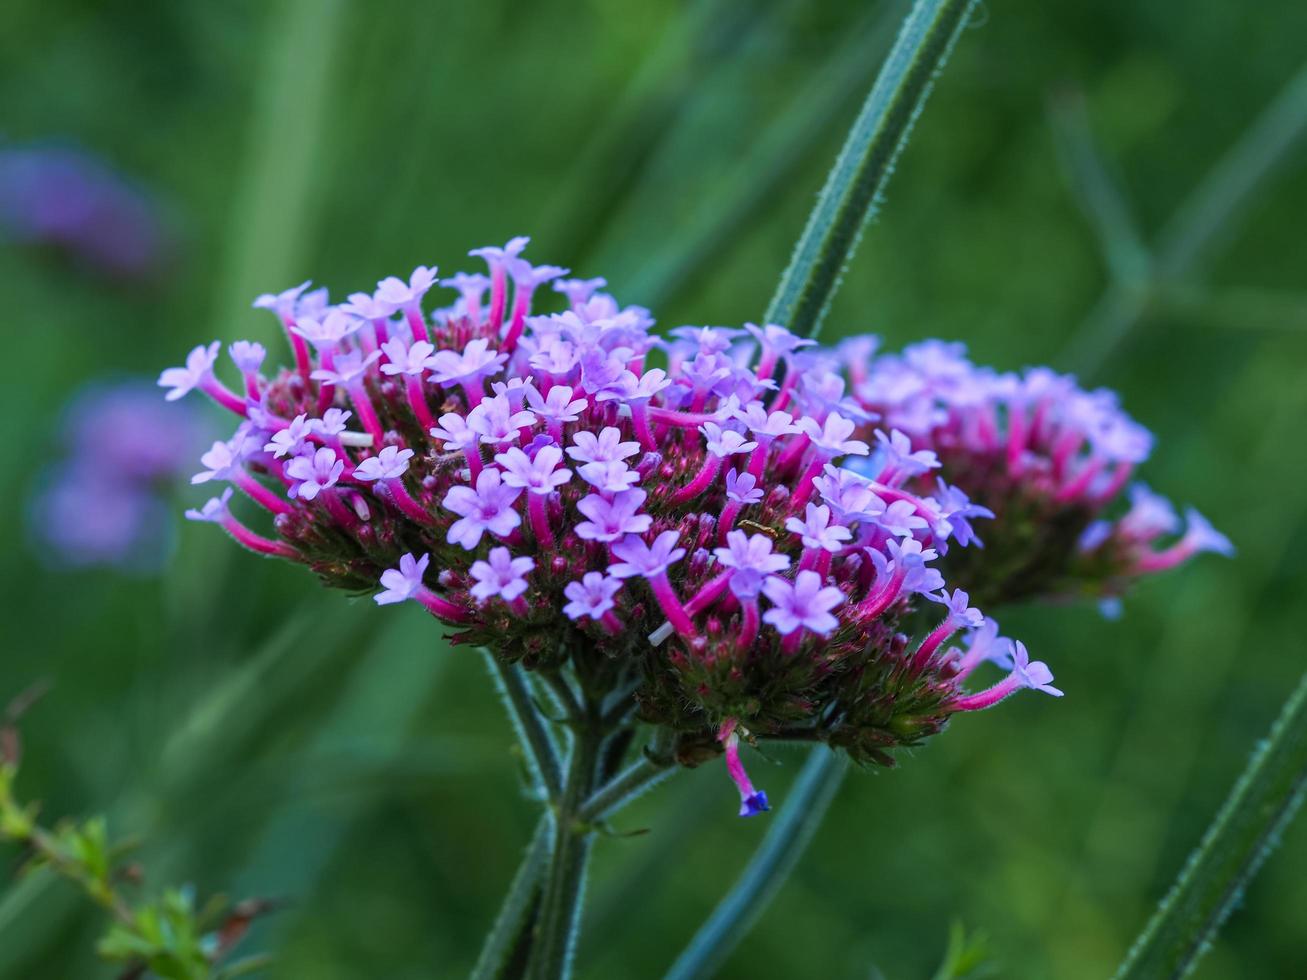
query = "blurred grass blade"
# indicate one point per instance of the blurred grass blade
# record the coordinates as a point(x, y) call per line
point(795, 825)
point(1198, 225)
point(772, 160)
point(1096, 191)
point(1239, 840)
point(523, 895)
point(864, 165)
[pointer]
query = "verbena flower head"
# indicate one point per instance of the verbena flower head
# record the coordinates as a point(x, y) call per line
point(1051, 463)
point(539, 486)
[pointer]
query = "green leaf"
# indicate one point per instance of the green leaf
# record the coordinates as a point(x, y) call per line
point(1242, 836)
point(863, 167)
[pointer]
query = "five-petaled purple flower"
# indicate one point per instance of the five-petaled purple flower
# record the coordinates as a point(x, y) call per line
point(488, 508)
point(802, 604)
point(404, 582)
point(314, 473)
point(502, 575)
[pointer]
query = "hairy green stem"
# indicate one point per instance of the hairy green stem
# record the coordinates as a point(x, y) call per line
point(655, 764)
point(541, 751)
point(523, 896)
point(864, 165)
point(1245, 831)
point(560, 909)
point(796, 824)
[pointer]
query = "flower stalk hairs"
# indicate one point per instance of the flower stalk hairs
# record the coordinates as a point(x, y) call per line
point(722, 546)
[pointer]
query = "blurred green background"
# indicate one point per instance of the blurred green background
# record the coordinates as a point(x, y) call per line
point(263, 737)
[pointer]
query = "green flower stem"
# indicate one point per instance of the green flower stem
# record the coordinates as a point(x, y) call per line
point(517, 912)
point(560, 910)
point(655, 764)
point(1246, 830)
point(864, 165)
point(795, 825)
point(541, 750)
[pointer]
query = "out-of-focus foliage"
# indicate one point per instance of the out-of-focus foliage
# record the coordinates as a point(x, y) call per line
point(265, 738)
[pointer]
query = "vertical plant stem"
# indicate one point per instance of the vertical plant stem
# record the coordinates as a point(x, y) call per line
point(560, 910)
point(519, 905)
point(795, 826)
point(1245, 831)
point(865, 163)
point(538, 744)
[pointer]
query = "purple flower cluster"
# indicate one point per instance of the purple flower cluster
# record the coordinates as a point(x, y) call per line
point(1052, 463)
point(102, 503)
point(69, 200)
point(724, 529)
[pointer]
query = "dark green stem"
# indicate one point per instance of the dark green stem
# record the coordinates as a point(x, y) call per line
point(1245, 831)
point(542, 753)
point(655, 764)
point(795, 826)
point(864, 165)
point(521, 901)
point(560, 910)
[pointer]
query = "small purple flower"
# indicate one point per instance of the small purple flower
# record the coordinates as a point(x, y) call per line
point(558, 406)
point(452, 429)
point(413, 359)
point(214, 510)
point(1150, 515)
point(399, 293)
point(1199, 536)
point(899, 459)
point(495, 421)
point(538, 474)
point(199, 366)
point(283, 303)
point(900, 518)
point(247, 356)
point(612, 519)
point(832, 437)
point(638, 558)
point(579, 291)
point(802, 604)
point(592, 596)
point(961, 614)
point(725, 442)
point(1036, 675)
point(957, 510)
point(488, 508)
point(290, 440)
point(849, 494)
point(765, 425)
point(503, 576)
point(494, 256)
point(777, 338)
point(817, 530)
point(314, 473)
point(328, 333)
point(332, 422)
point(221, 459)
point(404, 582)
point(742, 488)
point(527, 277)
point(611, 477)
point(389, 464)
point(468, 366)
point(347, 369)
point(607, 447)
point(752, 560)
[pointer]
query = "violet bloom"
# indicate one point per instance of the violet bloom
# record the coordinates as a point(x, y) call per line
point(960, 611)
point(606, 447)
point(742, 488)
point(389, 464)
point(817, 530)
point(454, 432)
point(290, 440)
point(900, 518)
point(496, 423)
point(636, 557)
point(611, 519)
point(593, 597)
point(1025, 674)
point(611, 477)
point(958, 511)
point(556, 408)
point(247, 356)
point(804, 603)
point(399, 293)
point(899, 460)
point(327, 334)
point(470, 366)
point(503, 577)
point(403, 583)
point(831, 438)
point(724, 442)
point(347, 369)
point(486, 509)
point(538, 474)
point(314, 473)
point(751, 560)
point(404, 358)
point(199, 367)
